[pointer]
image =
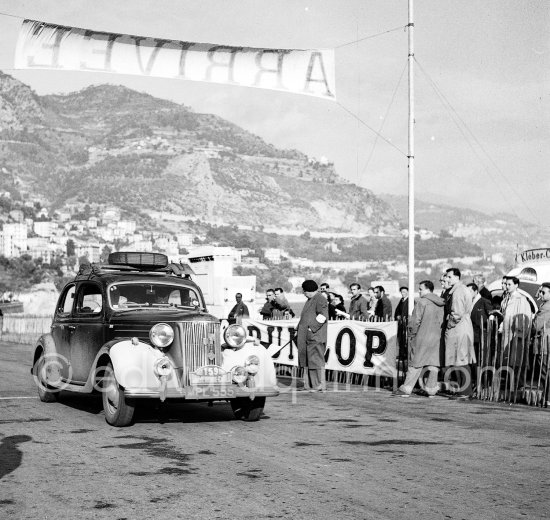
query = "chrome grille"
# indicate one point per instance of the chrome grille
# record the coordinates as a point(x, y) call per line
point(196, 338)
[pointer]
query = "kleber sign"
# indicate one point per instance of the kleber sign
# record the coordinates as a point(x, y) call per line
point(533, 255)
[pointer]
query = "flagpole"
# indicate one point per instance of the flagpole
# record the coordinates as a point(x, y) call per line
point(410, 156)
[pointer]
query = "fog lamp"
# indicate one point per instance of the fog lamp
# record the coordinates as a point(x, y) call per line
point(239, 375)
point(252, 364)
point(162, 367)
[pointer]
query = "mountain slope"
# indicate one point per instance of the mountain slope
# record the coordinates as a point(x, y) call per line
point(110, 144)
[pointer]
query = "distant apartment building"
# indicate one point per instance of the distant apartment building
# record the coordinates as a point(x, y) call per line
point(105, 233)
point(44, 228)
point(127, 226)
point(39, 247)
point(172, 249)
point(111, 214)
point(161, 243)
point(17, 215)
point(91, 251)
point(42, 213)
point(423, 234)
point(274, 255)
point(63, 215)
point(332, 247)
point(139, 245)
point(250, 260)
point(185, 239)
point(13, 239)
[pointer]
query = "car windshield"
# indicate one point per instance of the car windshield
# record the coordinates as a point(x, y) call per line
point(132, 295)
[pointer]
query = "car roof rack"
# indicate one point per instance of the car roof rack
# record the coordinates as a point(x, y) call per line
point(137, 266)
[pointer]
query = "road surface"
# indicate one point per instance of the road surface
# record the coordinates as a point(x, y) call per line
point(340, 455)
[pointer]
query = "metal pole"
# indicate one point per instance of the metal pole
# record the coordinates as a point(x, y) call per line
point(411, 158)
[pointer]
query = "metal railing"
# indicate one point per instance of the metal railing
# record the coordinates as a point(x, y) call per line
point(513, 363)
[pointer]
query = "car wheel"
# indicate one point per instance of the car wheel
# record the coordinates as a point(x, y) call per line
point(46, 393)
point(248, 409)
point(119, 410)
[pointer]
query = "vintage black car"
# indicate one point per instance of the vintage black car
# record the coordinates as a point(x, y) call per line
point(137, 328)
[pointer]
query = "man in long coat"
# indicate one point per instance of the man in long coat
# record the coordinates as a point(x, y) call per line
point(425, 337)
point(459, 333)
point(481, 310)
point(312, 337)
point(516, 322)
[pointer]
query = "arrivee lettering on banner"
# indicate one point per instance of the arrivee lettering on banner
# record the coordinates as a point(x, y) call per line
point(48, 46)
point(367, 348)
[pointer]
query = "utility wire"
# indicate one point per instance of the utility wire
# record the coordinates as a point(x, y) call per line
point(465, 129)
point(371, 129)
point(371, 36)
point(383, 121)
point(12, 15)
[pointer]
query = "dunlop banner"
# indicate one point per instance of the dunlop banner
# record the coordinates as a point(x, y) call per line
point(46, 46)
point(367, 348)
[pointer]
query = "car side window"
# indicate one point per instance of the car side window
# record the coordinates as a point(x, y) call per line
point(66, 303)
point(89, 300)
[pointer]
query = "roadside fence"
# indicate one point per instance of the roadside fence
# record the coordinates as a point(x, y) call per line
point(513, 364)
point(24, 328)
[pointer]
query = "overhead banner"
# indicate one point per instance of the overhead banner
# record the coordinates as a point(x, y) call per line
point(360, 347)
point(47, 46)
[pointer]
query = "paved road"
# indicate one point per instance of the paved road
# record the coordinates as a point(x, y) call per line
point(339, 455)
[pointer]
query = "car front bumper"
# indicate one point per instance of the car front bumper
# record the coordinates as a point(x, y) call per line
point(199, 392)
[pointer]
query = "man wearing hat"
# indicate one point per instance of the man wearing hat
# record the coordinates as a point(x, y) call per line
point(312, 337)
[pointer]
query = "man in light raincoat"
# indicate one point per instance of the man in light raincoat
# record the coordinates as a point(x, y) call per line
point(459, 334)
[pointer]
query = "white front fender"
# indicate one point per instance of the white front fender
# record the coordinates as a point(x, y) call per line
point(134, 366)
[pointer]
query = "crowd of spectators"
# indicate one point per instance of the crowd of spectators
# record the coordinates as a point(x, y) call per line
point(455, 336)
point(276, 306)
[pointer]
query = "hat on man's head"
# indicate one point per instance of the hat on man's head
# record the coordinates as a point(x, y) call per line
point(310, 286)
point(545, 284)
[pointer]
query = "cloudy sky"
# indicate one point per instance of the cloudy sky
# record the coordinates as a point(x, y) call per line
point(482, 85)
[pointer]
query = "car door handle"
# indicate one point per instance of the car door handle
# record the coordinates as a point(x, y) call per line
point(71, 327)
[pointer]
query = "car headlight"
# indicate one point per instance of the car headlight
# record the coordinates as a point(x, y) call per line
point(252, 364)
point(161, 335)
point(235, 336)
point(239, 375)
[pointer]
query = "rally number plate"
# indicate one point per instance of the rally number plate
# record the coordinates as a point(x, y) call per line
point(210, 375)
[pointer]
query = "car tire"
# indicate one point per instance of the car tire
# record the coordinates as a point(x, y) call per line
point(119, 410)
point(46, 393)
point(247, 409)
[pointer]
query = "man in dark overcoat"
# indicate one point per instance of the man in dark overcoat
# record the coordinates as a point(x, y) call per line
point(383, 309)
point(312, 337)
point(481, 310)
